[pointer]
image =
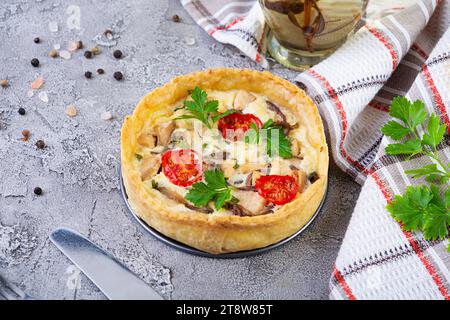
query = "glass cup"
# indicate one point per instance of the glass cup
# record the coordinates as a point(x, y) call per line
point(304, 32)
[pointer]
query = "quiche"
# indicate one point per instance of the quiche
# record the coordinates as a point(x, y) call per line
point(225, 160)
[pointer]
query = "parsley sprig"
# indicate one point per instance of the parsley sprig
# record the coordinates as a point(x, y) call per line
point(215, 189)
point(270, 131)
point(412, 115)
point(201, 109)
point(424, 207)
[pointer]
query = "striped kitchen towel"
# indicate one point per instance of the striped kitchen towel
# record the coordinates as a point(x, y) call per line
point(405, 53)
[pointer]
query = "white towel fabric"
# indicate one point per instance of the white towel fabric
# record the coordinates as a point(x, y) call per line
point(403, 53)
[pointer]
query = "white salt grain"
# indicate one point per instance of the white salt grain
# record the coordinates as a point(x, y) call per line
point(106, 116)
point(189, 41)
point(53, 26)
point(30, 93)
point(56, 46)
point(43, 96)
point(65, 54)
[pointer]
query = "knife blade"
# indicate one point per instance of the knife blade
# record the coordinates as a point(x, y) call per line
point(109, 275)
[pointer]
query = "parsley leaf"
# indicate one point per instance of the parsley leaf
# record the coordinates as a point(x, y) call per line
point(215, 189)
point(411, 114)
point(410, 207)
point(395, 130)
point(411, 147)
point(424, 171)
point(200, 109)
point(277, 143)
point(219, 116)
point(282, 147)
point(436, 132)
point(252, 135)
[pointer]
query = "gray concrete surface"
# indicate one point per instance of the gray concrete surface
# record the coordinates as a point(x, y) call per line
point(78, 168)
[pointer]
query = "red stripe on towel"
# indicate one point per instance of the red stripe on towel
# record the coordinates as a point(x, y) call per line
point(340, 279)
point(227, 26)
point(383, 40)
point(437, 96)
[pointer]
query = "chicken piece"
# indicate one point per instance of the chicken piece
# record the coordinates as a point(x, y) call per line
point(302, 179)
point(255, 176)
point(150, 165)
point(251, 166)
point(280, 166)
point(147, 139)
point(295, 147)
point(228, 168)
point(242, 99)
point(251, 202)
point(164, 131)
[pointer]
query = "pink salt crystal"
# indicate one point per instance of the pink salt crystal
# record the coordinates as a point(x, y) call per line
point(36, 84)
point(72, 46)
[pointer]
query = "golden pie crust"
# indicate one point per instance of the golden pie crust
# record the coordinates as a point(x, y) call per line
point(214, 233)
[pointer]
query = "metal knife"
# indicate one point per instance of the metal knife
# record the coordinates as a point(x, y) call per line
point(109, 275)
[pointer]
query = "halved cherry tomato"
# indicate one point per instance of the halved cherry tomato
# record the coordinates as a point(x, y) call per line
point(182, 167)
point(277, 189)
point(234, 126)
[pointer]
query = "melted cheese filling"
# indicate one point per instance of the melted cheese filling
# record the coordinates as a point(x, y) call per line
point(241, 158)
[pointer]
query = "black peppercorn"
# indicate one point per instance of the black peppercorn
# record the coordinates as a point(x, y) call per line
point(79, 44)
point(100, 71)
point(37, 191)
point(117, 54)
point(35, 62)
point(36, 40)
point(176, 18)
point(118, 75)
point(88, 74)
point(21, 111)
point(88, 54)
point(40, 144)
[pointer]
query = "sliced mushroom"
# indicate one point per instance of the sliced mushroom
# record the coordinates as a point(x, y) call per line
point(171, 194)
point(147, 139)
point(313, 177)
point(287, 122)
point(206, 210)
point(150, 165)
point(242, 99)
point(251, 202)
point(280, 116)
point(180, 138)
point(164, 131)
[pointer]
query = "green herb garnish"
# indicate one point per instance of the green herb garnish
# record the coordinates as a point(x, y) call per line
point(200, 109)
point(138, 156)
point(421, 208)
point(215, 189)
point(154, 184)
point(270, 131)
